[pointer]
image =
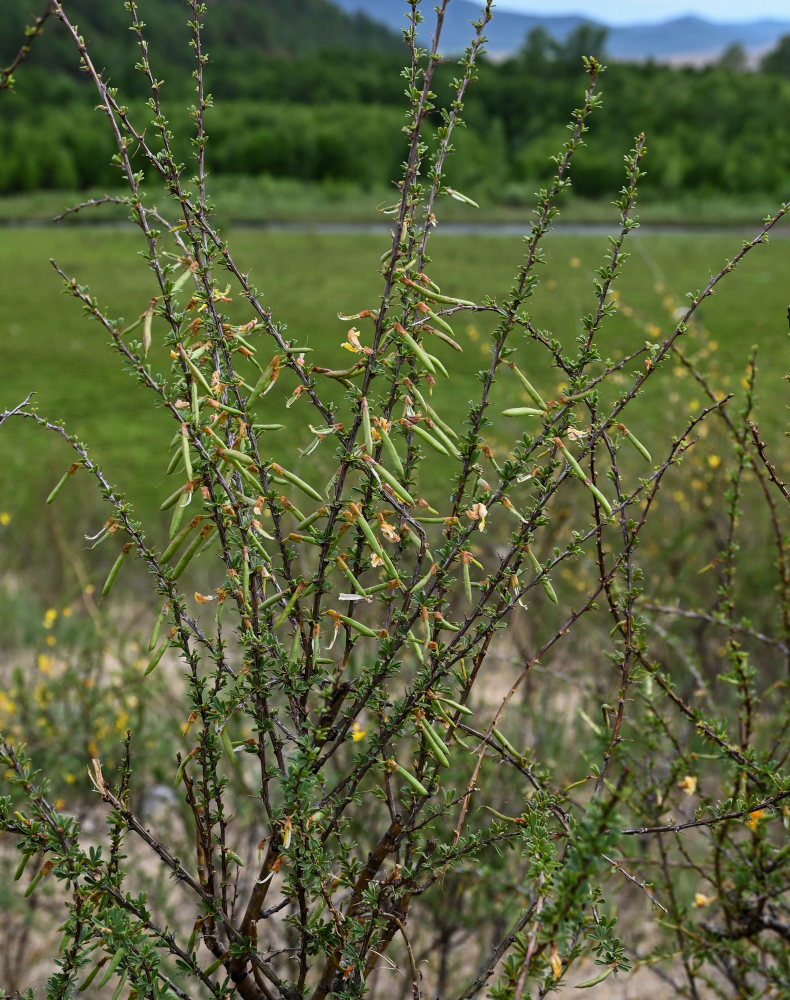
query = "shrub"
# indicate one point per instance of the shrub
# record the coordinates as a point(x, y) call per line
point(438, 717)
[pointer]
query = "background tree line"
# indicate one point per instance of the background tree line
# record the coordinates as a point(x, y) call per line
point(321, 103)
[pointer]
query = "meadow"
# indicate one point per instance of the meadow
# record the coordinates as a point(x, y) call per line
point(51, 347)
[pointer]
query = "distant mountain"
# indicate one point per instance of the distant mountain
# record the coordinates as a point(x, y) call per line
point(682, 39)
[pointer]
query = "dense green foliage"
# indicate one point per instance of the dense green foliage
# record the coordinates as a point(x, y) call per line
point(713, 130)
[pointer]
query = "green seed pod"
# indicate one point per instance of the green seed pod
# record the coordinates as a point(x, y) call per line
point(467, 584)
point(389, 447)
point(153, 663)
point(175, 461)
point(354, 624)
point(116, 568)
point(365, 411)
point(62, 481)
point(20, 868)
point(437, 320)
point(367, 531)
point(157, 625)
point(191, 550)
point(245, 473)
point(531, 390)
point(523, 411)
point(211, 969)
point(442, 622)
point(119, 987)
point(91, 975)
point(435, 744)
point(245, 575)
point(543, 578)
point(432, 413)
point(193, 394)
point(45, 869)
point(425, 580)
point(173, 498)
point(185, 451)
point(267, 379)
point(459, 197)
point(598, 979)
point(232, 455)
point(115, 961)
point(635, 442)
point(549, 590)
point(416, 645)
point(227, 746)
point(506, 744)
point(459, 741)
point(196, 372)
point(178, 512)
point(299, 589)
point(296, 481)
point(438, 364)
point(182, 766)
point(215, 404)
point(607, 507)
point(398, 488)
point(178, 540)
point(434, 294)
point(445, 439)
point(343, 566)
point(416, 349)
point(311, 518)
point(428, 438)
point(181, 280)
point(455, 705)
point(408, 777)
point(577, 470)
point(148, 317)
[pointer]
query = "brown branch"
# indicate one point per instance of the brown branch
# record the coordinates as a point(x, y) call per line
point(31, 33)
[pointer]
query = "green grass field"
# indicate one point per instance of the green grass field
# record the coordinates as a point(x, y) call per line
point(50, 346)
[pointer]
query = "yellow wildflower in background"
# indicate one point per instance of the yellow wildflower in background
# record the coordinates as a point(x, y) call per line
point(5, 517)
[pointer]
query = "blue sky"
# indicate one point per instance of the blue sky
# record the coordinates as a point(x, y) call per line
point(633, 11)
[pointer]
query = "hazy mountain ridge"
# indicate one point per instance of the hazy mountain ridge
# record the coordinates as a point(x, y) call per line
point(692, 37)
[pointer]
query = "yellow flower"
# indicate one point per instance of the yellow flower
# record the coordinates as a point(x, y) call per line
point(388, 530)
point(555, 961)
point(478, 512)
point(754, 818)
point(5, 517)
point(357, 732)
point(714, 461)
point(51, 640)
point(68, 611)
point(700, 900)
point(352, 343)
point(688, 784)
point(45, 663)
point(49, 617)
point(575, 262)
